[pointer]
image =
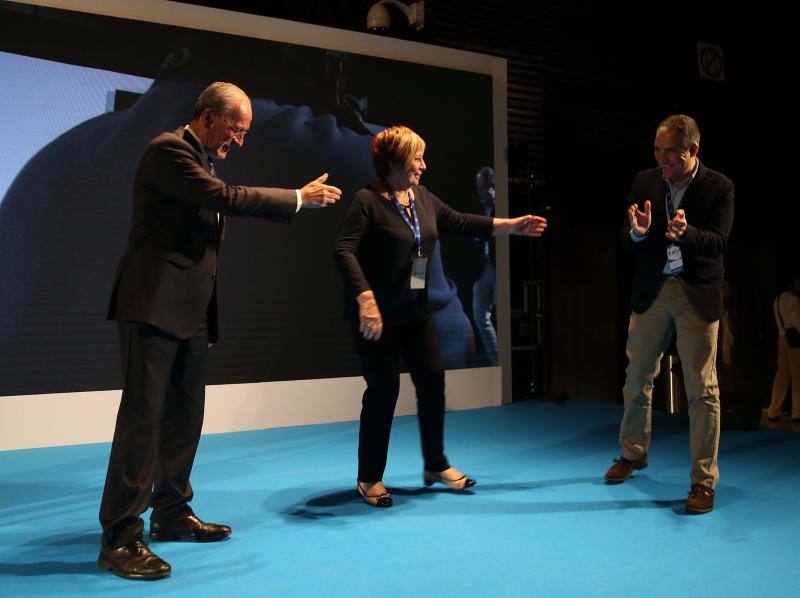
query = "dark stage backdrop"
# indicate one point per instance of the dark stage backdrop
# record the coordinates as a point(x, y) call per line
point(83, 95)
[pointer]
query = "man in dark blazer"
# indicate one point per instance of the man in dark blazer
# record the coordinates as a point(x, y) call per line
point(679, 218)
point(164, 299)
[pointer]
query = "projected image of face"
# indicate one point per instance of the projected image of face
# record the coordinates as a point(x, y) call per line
point(222, 132)
point(484, 185)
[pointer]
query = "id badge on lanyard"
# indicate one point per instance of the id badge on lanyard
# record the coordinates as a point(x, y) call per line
point(419, 265)
point(674, 259)
point(419, 268)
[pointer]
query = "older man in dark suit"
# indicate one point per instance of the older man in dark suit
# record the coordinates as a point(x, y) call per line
point(164, 299)
point(679, 218)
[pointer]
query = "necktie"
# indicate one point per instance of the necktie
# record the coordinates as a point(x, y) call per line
point(213, 172)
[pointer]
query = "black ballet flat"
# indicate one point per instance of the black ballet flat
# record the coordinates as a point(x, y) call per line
point(381, 501)
point(462, 483)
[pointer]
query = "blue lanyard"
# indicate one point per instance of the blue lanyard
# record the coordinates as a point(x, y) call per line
point(413, 226)
point(670, 204)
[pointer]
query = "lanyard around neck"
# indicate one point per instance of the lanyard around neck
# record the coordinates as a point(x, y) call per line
point(670, 202)
point(414, 226)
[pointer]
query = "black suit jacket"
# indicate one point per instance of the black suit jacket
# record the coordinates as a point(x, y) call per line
point(167, 275)
point(708, 204)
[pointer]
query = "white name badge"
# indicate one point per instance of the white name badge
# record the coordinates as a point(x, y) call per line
point(418, 269)
point(674, 259)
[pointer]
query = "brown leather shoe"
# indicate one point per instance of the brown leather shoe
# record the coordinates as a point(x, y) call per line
point(134, 561)
point(623, 469)
point(188, 529)
point(700, 500)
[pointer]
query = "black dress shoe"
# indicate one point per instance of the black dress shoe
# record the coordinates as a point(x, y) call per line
point(134, 561)
point(188, 529)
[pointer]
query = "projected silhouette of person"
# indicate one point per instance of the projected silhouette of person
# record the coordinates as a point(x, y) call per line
point(64, 215)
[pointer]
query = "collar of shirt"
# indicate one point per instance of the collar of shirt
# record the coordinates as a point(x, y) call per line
point(678, 192)
point(678, 188)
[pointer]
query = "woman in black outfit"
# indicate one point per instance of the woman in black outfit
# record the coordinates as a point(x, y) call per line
point(383, 247)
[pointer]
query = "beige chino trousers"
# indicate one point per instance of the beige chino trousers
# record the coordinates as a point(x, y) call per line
point(649, 335)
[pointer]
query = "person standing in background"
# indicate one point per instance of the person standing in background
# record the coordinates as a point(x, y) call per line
point(484, 291)
point(787, 317)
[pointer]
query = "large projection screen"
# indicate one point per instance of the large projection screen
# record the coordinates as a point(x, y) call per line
point(88, 84)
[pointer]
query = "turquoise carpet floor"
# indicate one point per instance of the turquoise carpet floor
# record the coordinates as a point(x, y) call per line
point(540, 522)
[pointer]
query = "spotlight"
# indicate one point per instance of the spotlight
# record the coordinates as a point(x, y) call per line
point(380, 21)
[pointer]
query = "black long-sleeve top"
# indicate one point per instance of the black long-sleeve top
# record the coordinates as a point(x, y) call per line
point(375, 249)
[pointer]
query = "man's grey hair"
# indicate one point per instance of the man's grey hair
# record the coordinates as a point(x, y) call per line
point(222, 98)
point(685, 126)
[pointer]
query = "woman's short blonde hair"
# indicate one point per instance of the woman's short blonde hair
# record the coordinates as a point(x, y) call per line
point(395, 145)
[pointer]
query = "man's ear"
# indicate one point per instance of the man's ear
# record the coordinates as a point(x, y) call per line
point(208, 118)
point(693, 149)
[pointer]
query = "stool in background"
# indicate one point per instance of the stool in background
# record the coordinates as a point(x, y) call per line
point(669, 394)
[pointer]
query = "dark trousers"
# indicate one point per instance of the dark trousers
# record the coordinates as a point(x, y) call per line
point(158, 428)
point(418, 345)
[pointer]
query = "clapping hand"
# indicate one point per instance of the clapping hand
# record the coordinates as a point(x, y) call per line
point(640, 221)
point(677, 226)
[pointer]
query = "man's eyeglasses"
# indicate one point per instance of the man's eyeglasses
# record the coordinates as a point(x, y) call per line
point(237, 133)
